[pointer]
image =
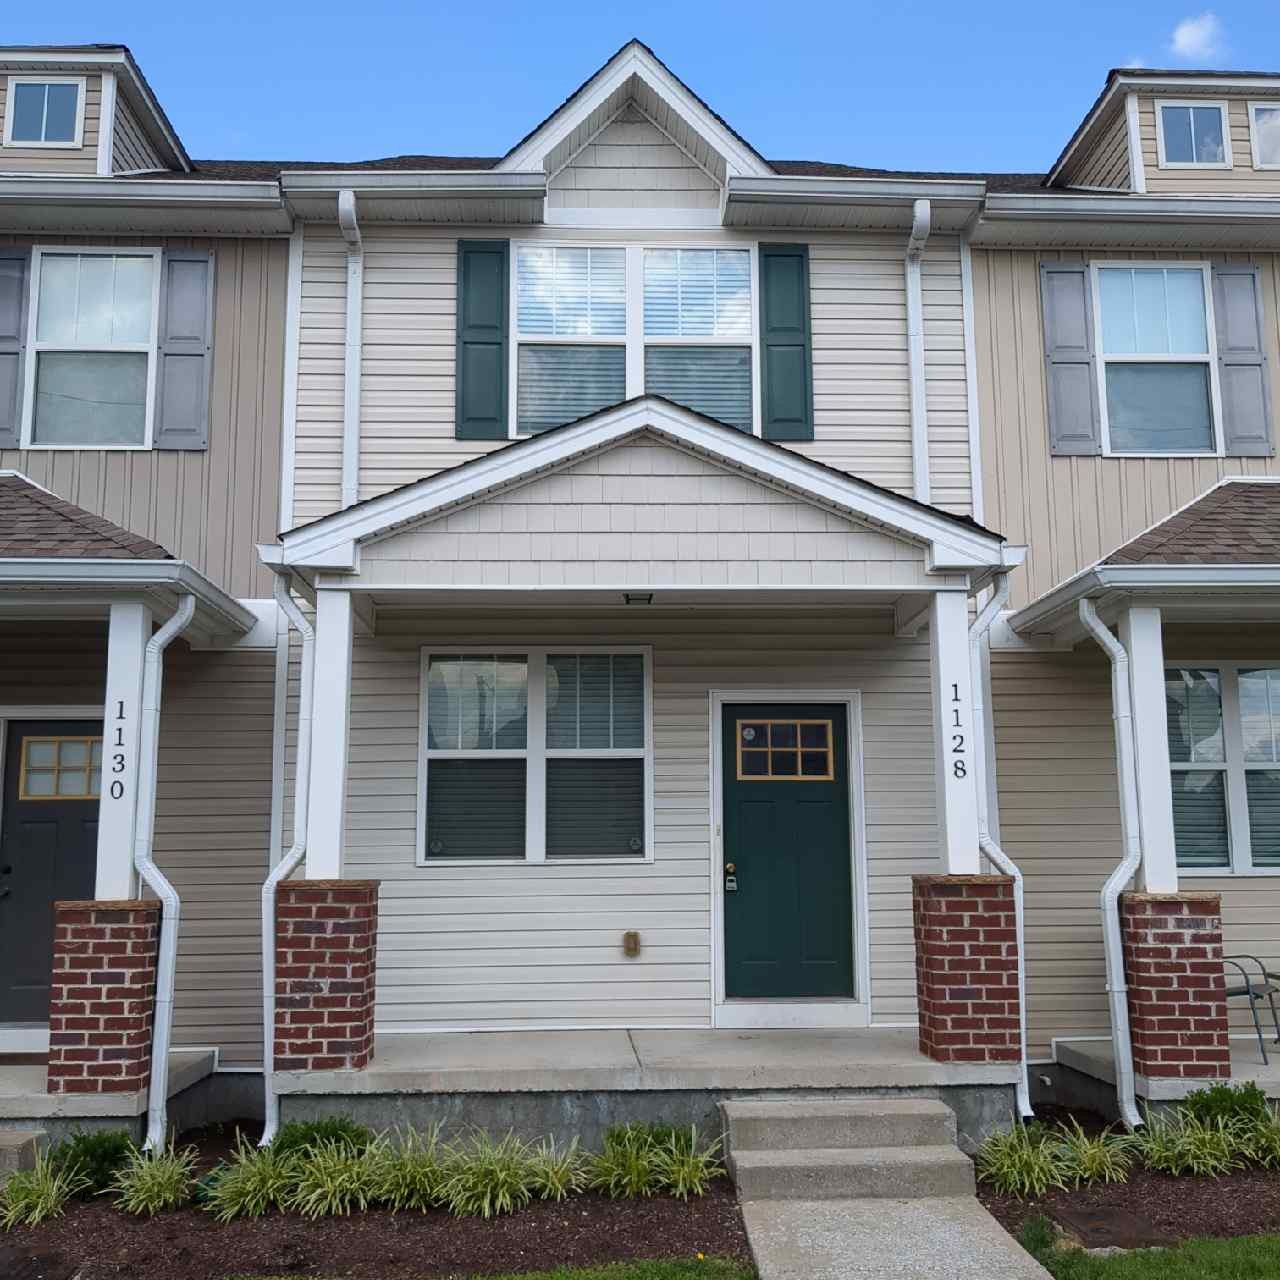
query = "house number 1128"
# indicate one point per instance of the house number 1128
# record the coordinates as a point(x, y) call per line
point(959, 768)
point(117, 757)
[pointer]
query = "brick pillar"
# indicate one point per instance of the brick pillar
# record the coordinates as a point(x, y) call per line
point(326, 937)
point(966, 968)
point(103, 996)
point(1177, 986)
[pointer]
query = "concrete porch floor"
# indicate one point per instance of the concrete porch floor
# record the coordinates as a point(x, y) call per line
point(563, 1061)
point(1094, 1058)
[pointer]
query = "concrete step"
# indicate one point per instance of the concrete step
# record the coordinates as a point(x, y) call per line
point(833, 1173)
point(18, 1149)
point(788, 1125)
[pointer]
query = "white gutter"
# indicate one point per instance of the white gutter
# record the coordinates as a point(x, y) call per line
point(289, 862)
point(920, 226)
point(458, 184)
point(805, 189)
point(349, 225)
point(1117, 988)
point(986, 843)
point(151, 875)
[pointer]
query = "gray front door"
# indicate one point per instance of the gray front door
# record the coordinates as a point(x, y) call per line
point(48, 849)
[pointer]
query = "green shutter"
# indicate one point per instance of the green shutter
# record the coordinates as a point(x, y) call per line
point(786, 366)
point(482, 340)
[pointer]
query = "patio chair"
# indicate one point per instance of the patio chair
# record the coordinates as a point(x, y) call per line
point(1256, 987)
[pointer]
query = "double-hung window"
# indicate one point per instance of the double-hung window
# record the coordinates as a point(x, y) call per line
point(44, 112)
point(90, 381)
point(537, 755)
point(1157, 361)
point(1224, 755)
point(1193, 135)
point(1264, 134)
point(595, 325)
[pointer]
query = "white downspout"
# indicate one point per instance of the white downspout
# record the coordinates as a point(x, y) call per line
point(1131, 840)
point(289, 862)
point(994, 853)
point(921, 219)
point(151, 875)
point(349, 225)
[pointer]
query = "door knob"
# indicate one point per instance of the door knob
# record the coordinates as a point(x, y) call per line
point(729, 868)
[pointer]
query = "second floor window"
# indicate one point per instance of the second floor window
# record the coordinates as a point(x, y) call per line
point(90, 381)
point(1264, 126)
point(1157, 365)
point(43, 113)
point(598, 325)
point(1193, 135)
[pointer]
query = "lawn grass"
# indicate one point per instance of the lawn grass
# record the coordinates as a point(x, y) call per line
point(1244, 1258)
point(694, 1269)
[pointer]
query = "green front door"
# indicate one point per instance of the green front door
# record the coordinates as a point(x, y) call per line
point(788, 885)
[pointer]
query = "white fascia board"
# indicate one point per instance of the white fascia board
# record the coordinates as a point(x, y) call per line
point(800, 189)
point(458, 183)
point(1130, 208)
point(176, 191)
point(332, 543)
point(531, 154)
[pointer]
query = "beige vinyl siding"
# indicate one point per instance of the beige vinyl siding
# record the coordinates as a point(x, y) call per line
point(1242, 179)
point(480, 946)
point(52, 664)
point(643, 513)
point(860, 376)
point(631, 164)
point(1070, 511)
point(82, 159)
point(210, 507)
point(1060, 822)
point(1106, 162)
point(213, 819)
point(131, 149)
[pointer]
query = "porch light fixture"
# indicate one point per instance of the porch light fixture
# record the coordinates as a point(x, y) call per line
point(637, 597)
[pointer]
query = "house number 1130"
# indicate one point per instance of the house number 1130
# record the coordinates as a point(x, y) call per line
point(117, 756)
point(959, 767)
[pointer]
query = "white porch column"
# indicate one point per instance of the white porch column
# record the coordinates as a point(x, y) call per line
point(330, 724)
point(1140, 633)
point(128, 631)
point(954, 747)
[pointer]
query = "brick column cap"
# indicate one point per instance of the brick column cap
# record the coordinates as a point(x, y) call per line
point(107, 904)
point(926, 881)
point(329, 884)
point(1186, 895)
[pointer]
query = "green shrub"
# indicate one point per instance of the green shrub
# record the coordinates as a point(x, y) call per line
point(485, 1177)
point(1105, 1157)
point(556, 1172)
point(99, 1156)
point(298, 1134)
point(153, 1181)
point(32, 1196)
point(1260, 1143)
point(255, 1180)
point(685, 1168)
point(1245, 1103)
point(410, 1172)
point(1177, 1143)
point(657, 1136)
point(331, 1177)
point(1025, 1161)
point(628, 1165)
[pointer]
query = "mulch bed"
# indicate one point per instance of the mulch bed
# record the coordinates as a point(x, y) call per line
point(96, 1242)
point(1153, 1207)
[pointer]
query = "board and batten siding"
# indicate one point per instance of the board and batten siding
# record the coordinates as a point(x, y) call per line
point(1242, 179)
point(210, 507)
point(522, 946)
point(46, 160)
point(131, 149)
point(861, 386)
point(1106, 162)
point(1072, 511)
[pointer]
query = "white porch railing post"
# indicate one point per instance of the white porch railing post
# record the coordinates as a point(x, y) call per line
point(128, 631)
point(330, 725)
point(1140, 633)
point(954, 745)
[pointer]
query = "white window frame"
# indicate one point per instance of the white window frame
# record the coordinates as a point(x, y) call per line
point(634, 340)
point(1228, 160)
point(33, 349)
point(77, 143)
point(1233, 765)
point(1272, 104)
point(536, 753)
point(1102, 358)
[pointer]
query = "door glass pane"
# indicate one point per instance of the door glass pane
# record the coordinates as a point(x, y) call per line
point(1159, 408)
point(28, 113)
point(475, 808)
point(1263, 788)
point(90, 398)
point(1193, 703)
point(73, 782)
point(60, 113)
point(1176, 126)
point(715, 381)
point(558, 384)
point(595, 808)
point(39, 782)
point(73, 753)
point(41, 754)
point(1259, 706)
point(1200, 818)
point(1266, 132)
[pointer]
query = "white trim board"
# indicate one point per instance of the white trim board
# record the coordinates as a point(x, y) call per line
point(76, 143)
point(793, 1014)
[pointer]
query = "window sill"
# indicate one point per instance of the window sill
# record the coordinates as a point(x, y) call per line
point(426, 863)
point(44, 146)
point(1199, 454)
point(82, 448)
point(1224, 167)
point(1229, 873)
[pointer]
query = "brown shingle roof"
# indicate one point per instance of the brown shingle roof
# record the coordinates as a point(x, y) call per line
point(37, 523)
point(1236, 523)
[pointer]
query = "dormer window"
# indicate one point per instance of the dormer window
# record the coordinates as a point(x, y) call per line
point(44, 112)
point(1264, 129)
point(1193, 135)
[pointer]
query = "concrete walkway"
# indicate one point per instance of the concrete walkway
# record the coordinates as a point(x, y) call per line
point(920, 1239)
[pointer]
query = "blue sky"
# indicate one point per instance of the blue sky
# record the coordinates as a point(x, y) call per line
point(994, 86)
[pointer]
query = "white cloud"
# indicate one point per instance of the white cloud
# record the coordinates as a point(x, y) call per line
point(1136, 60)
point(1199, 37)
